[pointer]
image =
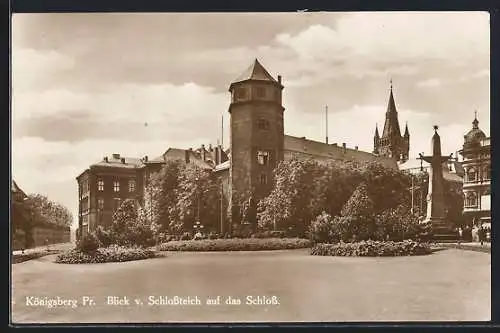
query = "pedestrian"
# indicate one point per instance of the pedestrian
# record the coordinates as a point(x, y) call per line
point(481, 235)
point(460, 234)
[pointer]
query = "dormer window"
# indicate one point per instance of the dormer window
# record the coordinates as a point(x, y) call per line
point(263, 157)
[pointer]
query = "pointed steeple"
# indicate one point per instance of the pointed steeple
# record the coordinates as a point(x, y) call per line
point(475, 122)
point(407, 132)
point(391, 125)
point(377, 136)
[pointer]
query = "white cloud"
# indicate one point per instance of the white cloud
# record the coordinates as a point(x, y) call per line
point(30, 67)
point(429, 83)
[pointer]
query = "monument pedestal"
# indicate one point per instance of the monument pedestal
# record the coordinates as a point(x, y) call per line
point(441, 231)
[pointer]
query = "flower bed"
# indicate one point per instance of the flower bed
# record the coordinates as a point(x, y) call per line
point(112, 253)
point(236, 244)
point(372, 249)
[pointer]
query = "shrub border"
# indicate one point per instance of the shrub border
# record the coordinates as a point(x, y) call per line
point(235, 245)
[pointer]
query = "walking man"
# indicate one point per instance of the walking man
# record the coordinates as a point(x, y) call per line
point(460, 234)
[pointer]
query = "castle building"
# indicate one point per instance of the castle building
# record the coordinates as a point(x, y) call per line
point(257, 144)
point(392, 143)
point(476, 153)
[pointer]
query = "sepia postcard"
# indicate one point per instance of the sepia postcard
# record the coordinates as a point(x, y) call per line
point(291, 167)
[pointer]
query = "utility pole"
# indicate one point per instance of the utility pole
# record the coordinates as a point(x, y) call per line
point(222, 131)
point(326, 124)
point(221, 206)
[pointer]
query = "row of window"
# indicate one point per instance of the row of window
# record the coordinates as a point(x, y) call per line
point(116, 185)
point(473, 174)
point(116, 203)
point(242, 93)
point(472, 199)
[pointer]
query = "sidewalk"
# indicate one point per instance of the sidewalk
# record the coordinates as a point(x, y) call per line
point(472, 246)
point(51, 247)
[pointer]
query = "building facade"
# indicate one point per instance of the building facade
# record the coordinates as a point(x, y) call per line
point(476, 154)
point(257, 145)
point(392, 143)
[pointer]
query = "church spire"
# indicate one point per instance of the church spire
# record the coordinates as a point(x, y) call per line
point(377, 136)
point(407, 132)
point(391, 125)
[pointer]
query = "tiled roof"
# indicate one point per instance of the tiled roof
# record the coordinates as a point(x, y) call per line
point(332, 151)
point(255, 72)
point(116, 161)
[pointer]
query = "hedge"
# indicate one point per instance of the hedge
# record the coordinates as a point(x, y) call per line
point(113, 253)
point(372, 249)
point(236, 244)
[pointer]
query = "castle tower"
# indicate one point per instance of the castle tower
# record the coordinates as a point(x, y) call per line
point(392, 144)
point(256, 136)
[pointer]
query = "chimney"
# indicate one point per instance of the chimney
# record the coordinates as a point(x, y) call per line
point(116, 156)
point(123, 160)
point(186, 155)
point(210, 148)
point(106, 159)
point(146, 158)
point(203, 157)
point(356, 147)
point(344, 147)
point(279, 79)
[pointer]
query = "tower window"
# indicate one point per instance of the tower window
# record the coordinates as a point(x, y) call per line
point(263, 157)
point(260, 92)
point(263, 179)
point(263, 124)
point(100, 185)
point(241, 93)
point(116, 186)
point(131, 185)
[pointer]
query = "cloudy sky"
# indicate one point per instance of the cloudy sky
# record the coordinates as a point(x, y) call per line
point(89, 85)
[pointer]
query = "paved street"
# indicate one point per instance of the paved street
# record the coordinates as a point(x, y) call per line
point(447, 285)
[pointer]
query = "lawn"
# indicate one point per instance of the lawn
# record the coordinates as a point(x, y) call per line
point(446, 285)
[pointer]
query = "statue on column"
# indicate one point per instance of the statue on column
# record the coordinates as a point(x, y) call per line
point(436, 209)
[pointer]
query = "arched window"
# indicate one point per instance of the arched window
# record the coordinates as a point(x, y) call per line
point(487, 172)
point(471, 175)
point(471, 199)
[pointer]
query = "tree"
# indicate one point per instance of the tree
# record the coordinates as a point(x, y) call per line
point(50, 212)
point(130, 226)
point(288, 204)
point(359, 211)
point(197, 197)
point(387, 187)
point(160, 198)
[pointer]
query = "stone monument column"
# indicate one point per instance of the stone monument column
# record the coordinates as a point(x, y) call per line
point(436, 212)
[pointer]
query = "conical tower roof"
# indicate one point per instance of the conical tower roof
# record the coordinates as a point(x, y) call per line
point(255, 72)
